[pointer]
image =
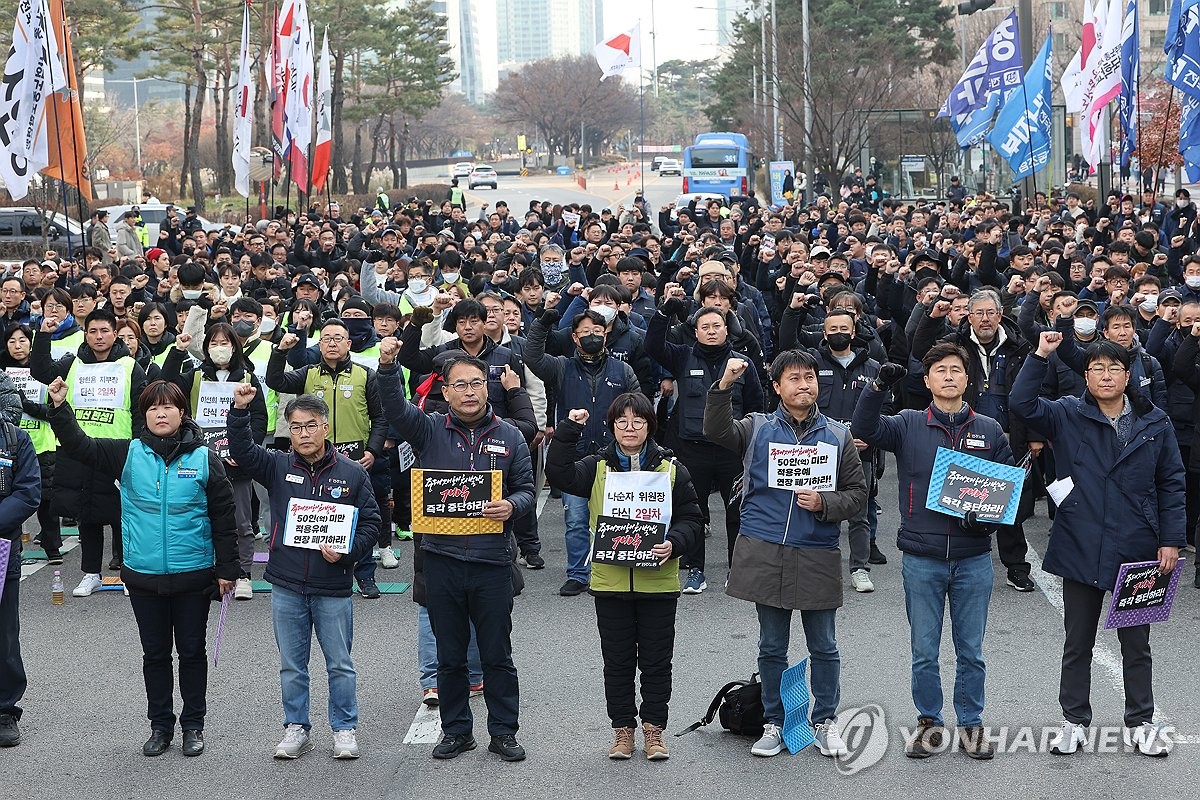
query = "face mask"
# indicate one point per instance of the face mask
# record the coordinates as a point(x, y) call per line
point(1149, 304)
point(450, 277)
point(1181, 202)
point(839, 341)
point(418, 285)
point(192, 294)
point(244, 328)
point(608, 312)
point(267, 327)
point(553, 271)
point(1193, 281)
point(1085, 326)
point(221, 354)
point(591, 344)
point(360, 329)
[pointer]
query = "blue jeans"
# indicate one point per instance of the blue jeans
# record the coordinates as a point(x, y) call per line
point(873, 517)
point(967, 583)
point(578, 537)
point(427, 653)
point(825, 664)
point(295, 616)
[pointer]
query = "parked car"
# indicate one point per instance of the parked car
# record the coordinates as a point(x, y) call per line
point(21, 232)
point(462, 169)
point(482, 175)
point(154, 215)
point(670, 166)
point(654, 165)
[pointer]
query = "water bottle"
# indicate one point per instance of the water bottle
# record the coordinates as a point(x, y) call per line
point(57, 596)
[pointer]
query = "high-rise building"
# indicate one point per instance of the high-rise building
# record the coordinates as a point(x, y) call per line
point(530, 30)
point(727, 12)
point(469, 24)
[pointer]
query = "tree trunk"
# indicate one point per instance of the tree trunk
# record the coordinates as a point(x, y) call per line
point(186, 167)
point(369, 169)
point(404, 156)
point(357, 178)
point(392, 153)
point(337, 159)
point(224, 165)
point(197, 182)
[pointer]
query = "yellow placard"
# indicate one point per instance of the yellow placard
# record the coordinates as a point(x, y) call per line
point(450, 502)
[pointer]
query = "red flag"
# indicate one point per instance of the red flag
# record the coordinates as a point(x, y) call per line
point(68, 146)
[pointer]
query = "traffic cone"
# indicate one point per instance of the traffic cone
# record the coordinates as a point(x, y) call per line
point(616, 186)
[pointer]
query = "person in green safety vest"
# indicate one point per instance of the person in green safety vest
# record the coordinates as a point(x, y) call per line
point(455, 195)
point(209, 388)
point(57, 306)
point(18, 341)
point(155, 336)
point(253, 331)
point(103, 383)
point(357, 425)
point(382, 201)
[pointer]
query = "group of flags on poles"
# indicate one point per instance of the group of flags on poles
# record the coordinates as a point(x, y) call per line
point(1105, 68)
point(1182, 46)
point(41, 121)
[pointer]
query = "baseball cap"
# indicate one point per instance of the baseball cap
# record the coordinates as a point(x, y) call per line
point(819, 252)
point(309, 279)
point(1086, 303)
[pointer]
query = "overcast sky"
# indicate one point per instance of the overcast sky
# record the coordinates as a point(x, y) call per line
point(681, 29)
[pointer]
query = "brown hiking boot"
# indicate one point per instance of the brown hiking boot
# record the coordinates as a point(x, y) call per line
point(974, 744)
point(656, 748)
point(927, 739)
point(622, 746)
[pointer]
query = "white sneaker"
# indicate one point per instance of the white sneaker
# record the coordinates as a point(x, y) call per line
point(860, 579)
point(295, 743)
point(91, 583)
point(829, 740)
point(387, 558)
point(1069, 739)
point(1150, 739)
point(242, 589)
point(345, 744)
point(771, 743)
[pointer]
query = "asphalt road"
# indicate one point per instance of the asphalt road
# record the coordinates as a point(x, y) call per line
point(604, 190)
point(84, 718)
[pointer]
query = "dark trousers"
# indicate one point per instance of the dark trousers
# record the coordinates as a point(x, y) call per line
point(637, 632)
point(184, 619)
point(365, 568)
point(12, 669)
point(1082, 607)
point(457, 595)
point(1013, 549)
point(401, 494)
point(50, 525)
point(525, 528)
point(91, 545)
point(1192, 491)
point(711, 467)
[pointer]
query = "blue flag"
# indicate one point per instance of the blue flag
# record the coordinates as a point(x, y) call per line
point(1022, 132)
point(993, 72)
point(1130, 66)
point(1182, 45)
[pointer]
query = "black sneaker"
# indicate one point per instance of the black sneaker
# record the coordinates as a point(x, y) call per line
point(193, 743)
point(1021, 582)
point(505, 745)
point(572, 587)
point(532, 561)
point(53, 558)
point(368, 588)
point(452, 744)
point(115, 564)
point(555, 494)
point(70, 522)
point(10, 734)
point(877, 556)
point(158, 743)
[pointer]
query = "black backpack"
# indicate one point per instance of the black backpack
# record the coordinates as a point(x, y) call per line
point(739, 706)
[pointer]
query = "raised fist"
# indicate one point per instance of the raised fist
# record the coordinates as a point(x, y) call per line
point(890, 374)
point(243, 394)
point(579, 416)
point(422, 314)
point(288, 341)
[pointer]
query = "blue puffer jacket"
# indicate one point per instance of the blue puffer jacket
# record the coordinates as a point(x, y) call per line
point(914, 436)
point(1126, 503)
point(441, 441)
point(287, 475)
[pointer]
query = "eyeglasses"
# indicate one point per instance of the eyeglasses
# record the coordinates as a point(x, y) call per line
point(462, 386)
point(332, 339)
point(635, 424)
point(308, 427)
point(1112, 369)
point(983, 313)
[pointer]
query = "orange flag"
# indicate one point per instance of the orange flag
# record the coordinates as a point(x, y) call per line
point(64, 116)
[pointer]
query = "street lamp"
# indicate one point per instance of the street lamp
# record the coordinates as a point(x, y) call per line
point(137, 118)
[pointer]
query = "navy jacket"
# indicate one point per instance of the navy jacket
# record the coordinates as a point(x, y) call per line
point(26, 493)
point(442, 441)
point(287, 475)
point(1126, 503)
point(914, 436)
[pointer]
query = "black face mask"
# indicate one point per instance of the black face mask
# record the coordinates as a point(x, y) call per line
point(591, 344)
point(360, 330)
point(839, 341)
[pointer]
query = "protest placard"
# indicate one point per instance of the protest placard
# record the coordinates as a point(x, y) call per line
point(99, 385)
point(802, 466)
point(450, 502)
point(1142, 594)
point(960, 482)
point(627, 542)
point(312, 523)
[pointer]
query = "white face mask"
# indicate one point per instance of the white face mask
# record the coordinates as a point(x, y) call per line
point(267, 327)
point(608, 312)
point(192, 294)
point(1085, 326)
point(1193, 281)
point(221, 354)
point(1149, 303)
point(418, 285)
point(1181, 202)
point(450, 277)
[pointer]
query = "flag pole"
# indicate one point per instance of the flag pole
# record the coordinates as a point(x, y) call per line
point(58, 135)
point(74, 150)
point(1163, 144)
point(1033, 172)
point(642, 121)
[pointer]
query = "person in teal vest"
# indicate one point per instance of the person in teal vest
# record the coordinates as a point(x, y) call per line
point(180, 545)
point(209, 388)
point(357, 425)
point(105, 383)
point(635, 606)
point(18, 341)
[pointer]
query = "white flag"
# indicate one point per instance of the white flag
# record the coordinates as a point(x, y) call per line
point(621, 51)
point(1073, 81)
point(323, 150)
point(1103, 82)
point(243, 113)
point(32, 71)
point(299, 100)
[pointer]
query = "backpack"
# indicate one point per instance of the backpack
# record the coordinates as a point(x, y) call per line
point(739, 706)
